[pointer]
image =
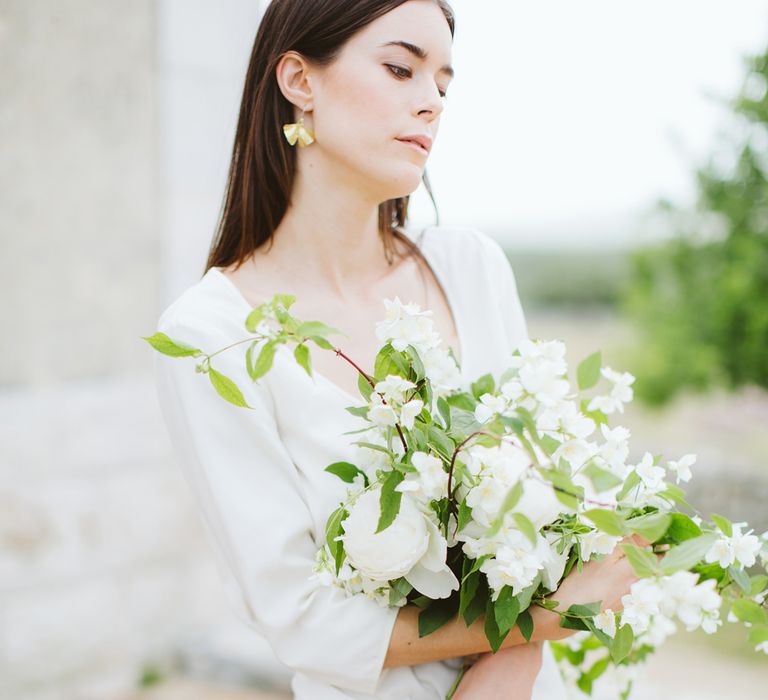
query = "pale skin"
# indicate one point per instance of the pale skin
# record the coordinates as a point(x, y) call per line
point(328, 253)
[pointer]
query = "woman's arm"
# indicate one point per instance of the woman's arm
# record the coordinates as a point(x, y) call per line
point(454, 638)
point(606, 580)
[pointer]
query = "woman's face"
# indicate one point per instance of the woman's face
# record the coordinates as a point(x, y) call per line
point(377, 92)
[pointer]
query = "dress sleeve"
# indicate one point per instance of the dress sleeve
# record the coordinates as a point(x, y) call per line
point(249, 492)
point(506, 292)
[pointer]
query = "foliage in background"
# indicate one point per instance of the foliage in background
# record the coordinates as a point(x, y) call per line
point(574, 279)
point(701, 299)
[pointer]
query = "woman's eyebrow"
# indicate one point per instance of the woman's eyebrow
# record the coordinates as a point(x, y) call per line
point(419, 53)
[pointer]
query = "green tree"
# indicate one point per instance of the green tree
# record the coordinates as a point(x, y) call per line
point(700, 300)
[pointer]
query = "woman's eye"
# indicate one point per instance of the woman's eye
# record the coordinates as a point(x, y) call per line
point(403, 72)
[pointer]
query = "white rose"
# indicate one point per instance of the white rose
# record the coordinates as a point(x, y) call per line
point(411, 546)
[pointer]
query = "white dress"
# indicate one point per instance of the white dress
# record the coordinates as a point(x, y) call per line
point(258, 475)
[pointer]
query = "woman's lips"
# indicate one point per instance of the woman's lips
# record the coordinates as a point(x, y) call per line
point(416, 146)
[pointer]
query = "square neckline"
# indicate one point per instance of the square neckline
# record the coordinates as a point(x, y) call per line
point(447, 291)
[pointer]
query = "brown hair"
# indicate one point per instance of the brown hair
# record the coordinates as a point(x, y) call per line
point(263, 164)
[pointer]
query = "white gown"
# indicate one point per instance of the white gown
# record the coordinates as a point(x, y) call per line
point(258, 475)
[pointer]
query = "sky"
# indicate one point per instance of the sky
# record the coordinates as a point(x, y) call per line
point(566, 121)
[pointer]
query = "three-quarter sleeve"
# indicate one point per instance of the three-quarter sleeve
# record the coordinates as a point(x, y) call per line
point(506, 293)
point(250, 493)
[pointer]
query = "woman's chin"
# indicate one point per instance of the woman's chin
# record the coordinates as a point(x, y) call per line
point(405, 182)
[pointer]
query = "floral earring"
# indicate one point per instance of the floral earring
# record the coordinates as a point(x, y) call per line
point(297, 132)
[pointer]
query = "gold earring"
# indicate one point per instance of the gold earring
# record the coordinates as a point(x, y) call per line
point(297, 132)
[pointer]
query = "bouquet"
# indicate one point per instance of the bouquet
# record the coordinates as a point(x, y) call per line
point(478, 499)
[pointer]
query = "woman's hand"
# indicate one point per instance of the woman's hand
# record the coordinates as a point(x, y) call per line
point(509, 673)
point(606, 580)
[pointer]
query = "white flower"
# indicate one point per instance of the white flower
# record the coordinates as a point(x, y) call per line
point(517, 563)
point(741, 548)
point(431, 481)
point(615, 450)
point(405, 325)
point(539, 503)
point(380, 413)
point(621, 392)
point(554, 564)
point(409, 411)
point(721, 552)
point(745, 546)
point(575, 452)
point(597, 542)
point(762, 646)
point(652, 476)
point(682, 467)
point(606, 622)
point(512, 390)
point(544, 382)
point(489, 405)
point(441, 370)
point(393, 387)
point(486, 499)
point(411, 546)
point(641, 603)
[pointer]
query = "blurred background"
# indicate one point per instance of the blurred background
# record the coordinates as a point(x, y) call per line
point(618, 151)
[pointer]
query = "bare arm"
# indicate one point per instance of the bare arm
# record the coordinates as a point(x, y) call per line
point(606, 580)
point(454, 638)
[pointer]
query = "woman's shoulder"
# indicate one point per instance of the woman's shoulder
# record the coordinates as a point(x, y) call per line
point(205, 310)
point(463, 246)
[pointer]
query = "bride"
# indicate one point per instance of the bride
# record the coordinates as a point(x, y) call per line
point(341, 106)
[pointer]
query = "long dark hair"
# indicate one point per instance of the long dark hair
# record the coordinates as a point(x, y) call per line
point(263, 164)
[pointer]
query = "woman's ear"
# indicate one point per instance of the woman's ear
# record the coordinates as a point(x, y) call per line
point(292, 74)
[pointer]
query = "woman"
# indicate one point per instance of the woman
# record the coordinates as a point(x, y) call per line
point(324, 219)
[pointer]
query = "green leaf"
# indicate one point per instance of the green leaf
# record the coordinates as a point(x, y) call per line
point(758, 635)
point(588, 371)
point(682, 528)
point(643, 561)
point(749, 611)
point(465, 515)
point(390, 500)
point(333, 529)
point(483, 385)
point(254, 318)
point(607, 521)
point(364, 387)
point(321, 342)
point(312, 328)
point(525, 526)
point(510, 501)
point(227, 389)
point(758, 584)
point(346, 471)
point(301, 353)
point(601, 478)
point(492, 632)
point(416, 363)
point(264, 361)
point(622, 643)
point(741, 578)
point(687, 554)
point(173, 348)
point(723, 523)
point(652, 526)
point(507, 609)
point(565, 490)
point(445, 446)
point(525, 623)
point(435, 616)
point(445, 411)
point(631, 481)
